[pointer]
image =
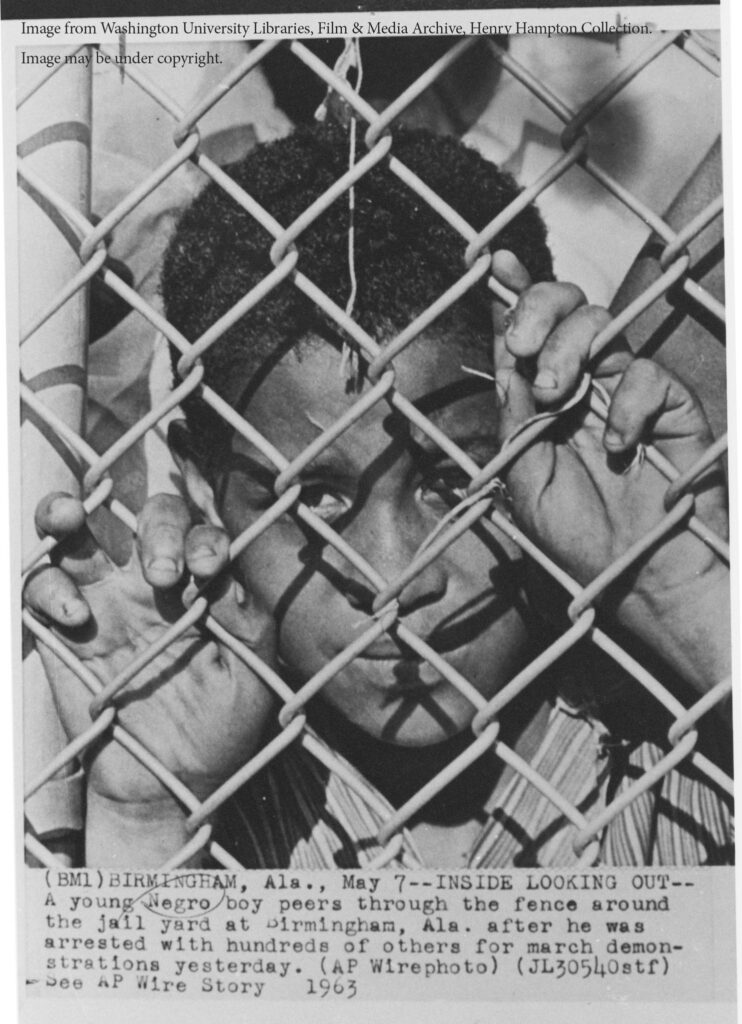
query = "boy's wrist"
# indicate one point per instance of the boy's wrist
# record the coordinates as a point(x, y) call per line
point(689, 625)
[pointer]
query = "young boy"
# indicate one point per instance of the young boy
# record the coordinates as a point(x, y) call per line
point(384, 486)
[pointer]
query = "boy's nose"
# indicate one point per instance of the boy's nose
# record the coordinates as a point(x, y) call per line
point(424, 589)
point(428, 587)
point(389, 545)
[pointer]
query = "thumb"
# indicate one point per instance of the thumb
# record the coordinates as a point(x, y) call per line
point(516, 404)
point(514, 397)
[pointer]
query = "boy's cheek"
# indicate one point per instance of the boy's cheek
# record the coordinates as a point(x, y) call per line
point(305, 606)
point(494, 659)
point(263, 571)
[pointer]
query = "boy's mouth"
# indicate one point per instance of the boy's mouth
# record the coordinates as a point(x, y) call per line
point(404, 674)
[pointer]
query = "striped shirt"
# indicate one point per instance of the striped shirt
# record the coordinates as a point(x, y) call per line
point(300, 814)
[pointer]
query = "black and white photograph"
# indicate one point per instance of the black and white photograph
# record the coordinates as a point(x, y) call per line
point(371, 505)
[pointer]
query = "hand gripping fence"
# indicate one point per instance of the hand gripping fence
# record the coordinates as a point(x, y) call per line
point(89, 243)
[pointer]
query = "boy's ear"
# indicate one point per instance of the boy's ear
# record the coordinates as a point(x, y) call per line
point(185, 453)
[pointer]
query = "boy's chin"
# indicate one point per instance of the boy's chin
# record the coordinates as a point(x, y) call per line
point(420, 735)
point(400, 703)
point(420, 719)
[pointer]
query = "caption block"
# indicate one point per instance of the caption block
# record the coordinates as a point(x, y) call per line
point(361, 935)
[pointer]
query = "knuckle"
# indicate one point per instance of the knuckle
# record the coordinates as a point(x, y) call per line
point(165, 501)
point(597, 316)
point(167, 535)
point(159, 536)
point(542, 306)
point(562, 294)
point(646, 371)
point(537, 293)
point(572, 294)
point(563, 348)
point(164, 508)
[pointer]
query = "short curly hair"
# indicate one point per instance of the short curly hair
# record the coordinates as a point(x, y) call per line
point(405, 254)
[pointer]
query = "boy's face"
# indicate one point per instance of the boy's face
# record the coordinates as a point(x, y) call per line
point(384, 487)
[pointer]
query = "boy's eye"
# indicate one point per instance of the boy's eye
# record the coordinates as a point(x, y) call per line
point(446, 488)
point(324, 502)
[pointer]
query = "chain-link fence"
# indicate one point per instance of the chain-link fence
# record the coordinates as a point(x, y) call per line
point(86, 258)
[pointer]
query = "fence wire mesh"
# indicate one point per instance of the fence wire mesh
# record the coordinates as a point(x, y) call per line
point(376, 136)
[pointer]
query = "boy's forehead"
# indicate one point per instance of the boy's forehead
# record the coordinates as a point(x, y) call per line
point(308, 390)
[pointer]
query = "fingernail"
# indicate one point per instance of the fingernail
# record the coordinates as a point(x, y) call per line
point(203, 552)
point(163, 565)
point(73, 609)
point(612, 439)
point(546, 380)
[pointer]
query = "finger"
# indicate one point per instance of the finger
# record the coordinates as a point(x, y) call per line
point(538, 311)
point(515, 402)
point(566, 352)
point(51, 594)
point(59, 515)
point(509, 270)
point(162, 527)
point(514, 398)
point(206, 551)
point(510, 276)
point(643, 394)
point(78, 553)
point(612, 362)
point(527, 474)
